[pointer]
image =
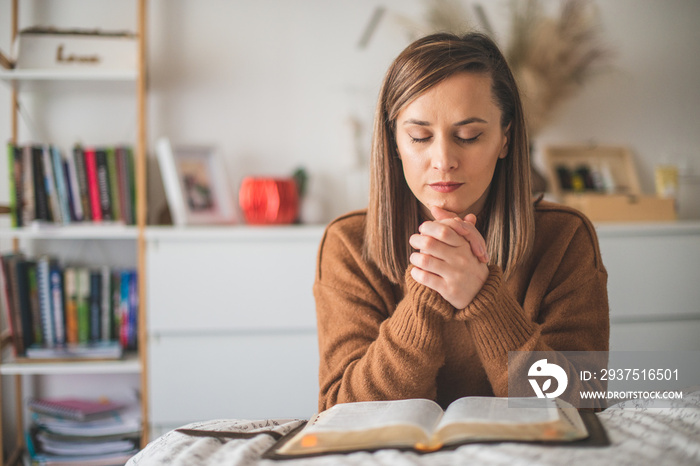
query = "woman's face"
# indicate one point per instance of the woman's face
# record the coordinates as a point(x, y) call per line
point(449, 139)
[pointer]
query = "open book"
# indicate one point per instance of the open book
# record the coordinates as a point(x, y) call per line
point(422, 425)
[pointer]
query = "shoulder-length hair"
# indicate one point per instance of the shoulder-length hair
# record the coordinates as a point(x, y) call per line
point(393, 214)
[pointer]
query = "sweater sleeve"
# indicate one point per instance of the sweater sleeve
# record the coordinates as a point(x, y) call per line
point(570, 315)
point(368, 351)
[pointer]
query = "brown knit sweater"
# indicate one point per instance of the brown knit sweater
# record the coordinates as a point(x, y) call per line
point(380, 341)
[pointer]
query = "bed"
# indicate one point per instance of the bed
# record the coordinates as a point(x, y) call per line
point(641, 432)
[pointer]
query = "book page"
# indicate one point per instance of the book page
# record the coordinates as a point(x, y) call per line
point(374, 414)
point(493, 418)
point(500, 410)
point(366, 425)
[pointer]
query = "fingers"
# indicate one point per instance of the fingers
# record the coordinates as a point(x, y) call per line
point(466, 228)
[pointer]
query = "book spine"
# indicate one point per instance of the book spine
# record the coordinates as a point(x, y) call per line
point(93, 185)
point(27, 198)
point(34, 304)
point(106, 305)
point(69, 192)
point(131, 182)
point(41, 201)
point(15, 185)
point(133, 310)
point(124, 203)
point(25, 311)
point(42, 277)
point(103, 184)
point(83, 303)
point(7, 296)
point(69, 280)
point(50, 185)
point(95, 304)
point(116, 304)
point(18, 334)
point(81, 177)
point(76, 207)
point(124, 310)
point(61, 184)
point(58, 304)
point(114, 185)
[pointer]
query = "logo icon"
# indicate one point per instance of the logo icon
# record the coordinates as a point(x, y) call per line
point(542, 368)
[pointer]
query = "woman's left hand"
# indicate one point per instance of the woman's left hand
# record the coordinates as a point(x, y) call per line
point(451, 259)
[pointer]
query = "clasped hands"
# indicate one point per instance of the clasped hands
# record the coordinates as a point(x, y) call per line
point(451, 257)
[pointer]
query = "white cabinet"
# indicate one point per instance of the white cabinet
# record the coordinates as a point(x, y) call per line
point(232, 323)
point(653, 285)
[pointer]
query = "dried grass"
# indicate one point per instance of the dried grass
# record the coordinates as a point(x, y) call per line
point(551, 57)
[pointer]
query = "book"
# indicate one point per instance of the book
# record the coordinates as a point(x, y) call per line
point(57, 303)
point(8, 303)
point(42, 211)
point(78, 409)
point(43, 272)
point(97, 350)
point(95, 303)
point(71, 291)
point(103, 184)
point(421, 425)
point(82, 294)
point(93, 188)
point(26, 202)
point(15, 184)
point(112, 174)
point(50, 185)
point(82, 183)
point(34, 303)
point(62, 189)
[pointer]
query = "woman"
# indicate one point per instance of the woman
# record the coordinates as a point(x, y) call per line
point(452, 265)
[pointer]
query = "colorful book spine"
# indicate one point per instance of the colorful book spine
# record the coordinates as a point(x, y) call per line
point(34, 304)
point(106, 305)
point(76, 206)
point(71, 292)
point(58, 304)
point(27, 202)
point(41, 202)
point(95, 304)
point(103, 184)
point(124, 310)
point(61, 184)
point(111, 155)
point(83, 303)
point(50, 185)
point(15, 185)
point(44, 284)
point(93, 184)
point(81, 176)
point(8, 297)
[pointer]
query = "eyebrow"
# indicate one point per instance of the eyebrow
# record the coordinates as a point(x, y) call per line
point(459, 123)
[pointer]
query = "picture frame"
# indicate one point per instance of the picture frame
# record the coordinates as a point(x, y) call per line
point(195, 184)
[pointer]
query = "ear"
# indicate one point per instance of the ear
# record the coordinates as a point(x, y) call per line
point(504, 149)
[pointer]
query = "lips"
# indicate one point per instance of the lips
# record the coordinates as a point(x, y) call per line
point(445, 186)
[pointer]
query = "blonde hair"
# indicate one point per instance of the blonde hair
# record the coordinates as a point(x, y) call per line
point(393, 213)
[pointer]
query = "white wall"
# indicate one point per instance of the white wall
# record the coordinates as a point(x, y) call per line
point(272, 83)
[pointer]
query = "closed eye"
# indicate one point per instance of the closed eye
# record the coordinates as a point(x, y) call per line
point(468, 140)
point(418, 140)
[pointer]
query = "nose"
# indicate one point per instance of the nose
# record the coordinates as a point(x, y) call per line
point(443, 157)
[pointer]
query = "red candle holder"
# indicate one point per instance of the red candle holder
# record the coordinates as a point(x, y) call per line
point(269, 201)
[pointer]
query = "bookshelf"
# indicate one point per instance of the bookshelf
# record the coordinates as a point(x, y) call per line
point(111, 244)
